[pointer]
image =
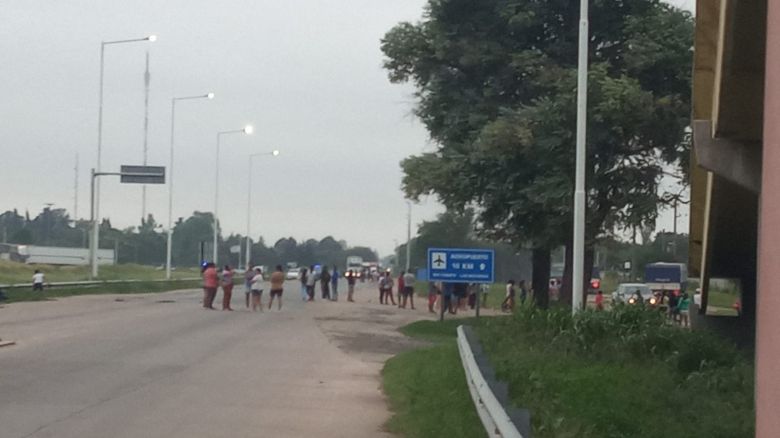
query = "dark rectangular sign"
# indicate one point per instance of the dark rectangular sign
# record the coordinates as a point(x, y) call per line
point(142, 174)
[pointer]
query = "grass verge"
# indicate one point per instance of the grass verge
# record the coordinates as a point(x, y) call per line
point(427, 389)
point(17, 295)
point(622, 373)
point(13, 272)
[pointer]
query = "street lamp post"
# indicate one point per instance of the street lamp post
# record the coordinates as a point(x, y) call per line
point(95, 228)
point(247, 130)
point(408, 235)
point(170, 181)
point(273, 153)
point(578, 258)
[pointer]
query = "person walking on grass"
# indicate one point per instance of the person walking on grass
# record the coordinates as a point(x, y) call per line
point(248, 275)
point(325, 283)
point(37, 281)
point(408, 292)
point(509, 299)
point(334, 284)
point(350, 285)
point(303, 276)
point(277, 283)
point(257, 290)
point(210, 284)
point(311, 282)
point(227, 287)
point(523, 292)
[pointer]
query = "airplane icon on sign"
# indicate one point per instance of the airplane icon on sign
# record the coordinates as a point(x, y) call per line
point(439, 260)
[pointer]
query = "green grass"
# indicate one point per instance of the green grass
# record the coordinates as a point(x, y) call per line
point(25, 294)
point(427, 388)
point(13, 272)
point(620, 374)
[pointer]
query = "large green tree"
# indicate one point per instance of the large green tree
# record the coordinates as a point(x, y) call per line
point(496, 89)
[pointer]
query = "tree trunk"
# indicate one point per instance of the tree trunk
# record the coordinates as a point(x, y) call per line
point(541, 277)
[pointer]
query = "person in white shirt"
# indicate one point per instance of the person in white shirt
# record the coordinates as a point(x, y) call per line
point(257, 290)
point(37, 280)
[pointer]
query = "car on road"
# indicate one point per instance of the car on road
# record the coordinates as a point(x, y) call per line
point(293, 273)
point(626, 292)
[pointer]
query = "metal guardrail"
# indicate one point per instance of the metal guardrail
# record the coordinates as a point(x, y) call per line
point(91, 283)
point(492, 413)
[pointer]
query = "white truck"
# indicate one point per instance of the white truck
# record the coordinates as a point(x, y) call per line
point(356, 264)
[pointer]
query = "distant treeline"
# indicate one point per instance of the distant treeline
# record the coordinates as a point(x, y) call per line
point(146, 244)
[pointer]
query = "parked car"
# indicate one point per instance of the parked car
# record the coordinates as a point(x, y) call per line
point(626, 292)
point(293, 273)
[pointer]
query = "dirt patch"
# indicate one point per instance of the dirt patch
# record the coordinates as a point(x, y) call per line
point(374, 343)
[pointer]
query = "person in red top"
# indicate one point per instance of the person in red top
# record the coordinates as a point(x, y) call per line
point(599, 300)
point(210, 284)
point(401, 287)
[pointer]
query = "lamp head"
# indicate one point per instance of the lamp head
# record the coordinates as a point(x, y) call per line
point(275, 152)
point(248, 129)
point(210, 95)
point(152, 38)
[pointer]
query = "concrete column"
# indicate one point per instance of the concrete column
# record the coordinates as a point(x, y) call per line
point(768, 305)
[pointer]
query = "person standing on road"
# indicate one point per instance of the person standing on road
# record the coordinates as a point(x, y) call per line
point(401, 287)
point(277, 283)
point(433, 292)
point(37, 281)
point(325, 283)
point(257, 290)
point(311, 282)
point(386, 289)
point(408, 289)
point(334, 283)
point(350, 285)
point(248, 275)
point(210, 284)
point(227, 287)
point(303, 277)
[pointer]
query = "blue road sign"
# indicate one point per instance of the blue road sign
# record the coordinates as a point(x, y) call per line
point(461, 265)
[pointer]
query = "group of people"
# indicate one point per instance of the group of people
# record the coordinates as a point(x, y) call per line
point(253, 287)
point(405, 289)
point(329, 283)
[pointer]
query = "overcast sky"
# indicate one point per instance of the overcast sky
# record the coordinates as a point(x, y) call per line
point(307, 74)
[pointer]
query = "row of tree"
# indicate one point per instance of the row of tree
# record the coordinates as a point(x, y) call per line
point(146, 244)
point(496, 89)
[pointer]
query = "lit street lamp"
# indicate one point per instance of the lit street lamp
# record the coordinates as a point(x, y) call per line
point(247, 130)
point(170, 180)
point(95, 228)
point(274, 153)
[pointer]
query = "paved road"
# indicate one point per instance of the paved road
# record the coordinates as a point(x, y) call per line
point(159, 366)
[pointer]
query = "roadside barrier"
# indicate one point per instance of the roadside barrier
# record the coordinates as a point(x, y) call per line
point(91, 283)
point(494, 416)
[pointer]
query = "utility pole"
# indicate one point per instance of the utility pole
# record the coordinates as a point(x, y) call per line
point(408, 234)
point(76, 189)
point(578, 267)
point(147, 80)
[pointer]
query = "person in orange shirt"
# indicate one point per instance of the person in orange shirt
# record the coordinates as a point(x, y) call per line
point(277, 281)
point(210, 284)
point(599, 300)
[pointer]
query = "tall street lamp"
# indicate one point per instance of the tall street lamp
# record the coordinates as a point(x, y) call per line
point(103, 44)
point(247, 130)
point(170, 180)
point(274, 153)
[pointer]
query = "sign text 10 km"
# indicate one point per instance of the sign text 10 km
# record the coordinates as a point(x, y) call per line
point(461, 265)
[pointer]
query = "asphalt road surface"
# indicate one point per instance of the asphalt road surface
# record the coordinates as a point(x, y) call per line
point(157, 365)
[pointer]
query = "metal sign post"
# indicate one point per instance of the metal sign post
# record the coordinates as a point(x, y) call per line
point(127, 175)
